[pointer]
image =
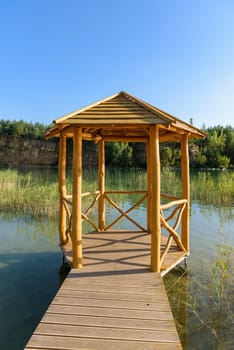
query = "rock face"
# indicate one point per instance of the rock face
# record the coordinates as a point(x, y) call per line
point(16, 152)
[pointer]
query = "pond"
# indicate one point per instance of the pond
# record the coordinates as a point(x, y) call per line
point(30, 262)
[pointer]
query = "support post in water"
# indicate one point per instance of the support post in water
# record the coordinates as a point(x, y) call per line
point(101, 183)
point(76, 199)
point(62, 189)
point(185, 191)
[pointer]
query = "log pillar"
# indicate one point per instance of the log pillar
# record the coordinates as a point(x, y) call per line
point(154, 188)
point(149, 181)
point(101, 184)
point(185, 190)
point(62, 189)
point(76, 199)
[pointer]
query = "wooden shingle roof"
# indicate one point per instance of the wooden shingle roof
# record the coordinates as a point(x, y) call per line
point(121, 116)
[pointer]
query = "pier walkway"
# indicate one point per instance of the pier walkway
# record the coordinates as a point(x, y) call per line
point(113, 303)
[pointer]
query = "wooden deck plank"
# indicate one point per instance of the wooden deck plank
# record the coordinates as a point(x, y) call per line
point(103, 295)
point(70, 343)
point(110, 312)
point(106, 333)
point(105, 303)
point(112, 322)
point(114, 302)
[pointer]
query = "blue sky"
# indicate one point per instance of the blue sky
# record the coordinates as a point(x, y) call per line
point(60, 55)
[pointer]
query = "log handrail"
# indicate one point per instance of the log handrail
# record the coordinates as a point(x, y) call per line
point(173, 203)
point(124, 192)
point(90, 193)
point(180, 205)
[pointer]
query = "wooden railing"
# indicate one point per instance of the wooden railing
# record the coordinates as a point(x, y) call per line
point(67, 202)
point(122, 213)
point(177, 207)
point(170, 215)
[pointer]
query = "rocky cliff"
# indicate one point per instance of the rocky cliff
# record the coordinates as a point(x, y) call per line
point(17, 151)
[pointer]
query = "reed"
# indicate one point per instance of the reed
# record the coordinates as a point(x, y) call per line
point(211, 299)
point(36, 192)
point(209, 187)
point(201, 299)
point(213, 188)
point(28, 193)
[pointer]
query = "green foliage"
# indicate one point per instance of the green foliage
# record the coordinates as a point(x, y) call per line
point(216, 151)
point(118, 153)
point(23, 129)
point(166, 156)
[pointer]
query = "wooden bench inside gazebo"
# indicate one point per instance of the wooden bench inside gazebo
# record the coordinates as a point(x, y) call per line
point(124, 118)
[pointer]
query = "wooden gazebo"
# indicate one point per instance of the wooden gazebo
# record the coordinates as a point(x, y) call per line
point(123, 117)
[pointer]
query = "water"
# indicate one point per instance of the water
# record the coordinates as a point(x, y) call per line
point(200, 323)
point(29, 275)
point(30, 260)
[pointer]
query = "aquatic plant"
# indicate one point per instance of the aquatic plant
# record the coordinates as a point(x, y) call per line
point(35, 192)
point(201, 299)
point(211, 299)
point(213, 187)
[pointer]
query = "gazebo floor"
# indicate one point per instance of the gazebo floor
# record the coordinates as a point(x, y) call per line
point(105, 251)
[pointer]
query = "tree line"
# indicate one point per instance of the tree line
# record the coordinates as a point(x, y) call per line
point(21, 128)
point(215, 151)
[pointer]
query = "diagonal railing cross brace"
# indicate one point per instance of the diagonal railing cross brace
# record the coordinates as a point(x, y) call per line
point(125, 214)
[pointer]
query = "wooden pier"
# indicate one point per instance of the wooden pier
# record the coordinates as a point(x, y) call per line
point(114, 302)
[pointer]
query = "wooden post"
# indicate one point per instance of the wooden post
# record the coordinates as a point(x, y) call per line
point(76, 199)
point(101, 184)
point(155, 226)
point(62, 188)
point(185, 190)
point(149, 181)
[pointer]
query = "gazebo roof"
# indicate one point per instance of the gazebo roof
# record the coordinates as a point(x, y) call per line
point(122, 116)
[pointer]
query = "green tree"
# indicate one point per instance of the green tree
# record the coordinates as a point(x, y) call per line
point(118, 153)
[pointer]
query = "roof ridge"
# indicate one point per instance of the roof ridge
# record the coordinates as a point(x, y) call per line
point(164, 115)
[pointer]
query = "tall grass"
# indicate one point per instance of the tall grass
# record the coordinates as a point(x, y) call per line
point(28, 193)
point(213, 188)
point(36, 192)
